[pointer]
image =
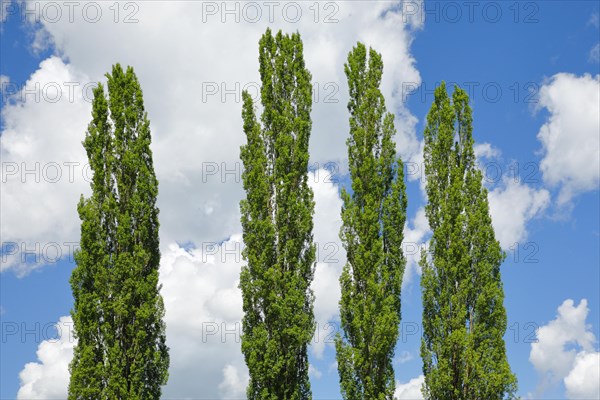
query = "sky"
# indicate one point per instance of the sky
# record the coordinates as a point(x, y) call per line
point(531, 70)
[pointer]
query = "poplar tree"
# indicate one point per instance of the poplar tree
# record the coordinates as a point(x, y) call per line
point(278, 320)
point(464, 319)
point(118, 310)
point(373, 219)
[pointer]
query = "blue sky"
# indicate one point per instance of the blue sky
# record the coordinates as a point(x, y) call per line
point(540, 55)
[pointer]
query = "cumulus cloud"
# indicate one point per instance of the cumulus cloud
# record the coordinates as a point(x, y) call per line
point(203, 312)
point(570, 140)
point(410, 390)
point(565, 351)
point(486, 150)
point(415, 234)
point(512, 205)
point(331, 258)
point(234, 382)
point(193, 102)
point(314, 372)
point(512, 201)
point(195, 118)
point(583, 382)
point(42, 158)
point(49, 378)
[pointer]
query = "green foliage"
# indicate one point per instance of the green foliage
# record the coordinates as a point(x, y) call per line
point(121, 351)
point(464, 319)
point(277, 224)
point(373, 220)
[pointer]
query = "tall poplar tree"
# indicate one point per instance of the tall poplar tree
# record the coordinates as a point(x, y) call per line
point(118, 312)
point(464, 319)
point(278, 320)
point(373, 219)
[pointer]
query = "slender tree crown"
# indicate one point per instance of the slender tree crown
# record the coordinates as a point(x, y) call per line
point(464, 319)
point(373, 219)
point(118, 312)
point(278, 320)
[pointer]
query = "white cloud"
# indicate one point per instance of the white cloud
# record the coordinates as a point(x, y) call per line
point(204, 309)
point(415, 166)
point(486, 150)
point(314, 372)
point(583, 382)
point(331, 258)
point(203, 312)
point(410, 390)
point(234, 383)
point(194, 131)
point(42, 158)
point(565, 350)
point(49, 378)
point(570, 140)
point(512, 205)
point(414, 241)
